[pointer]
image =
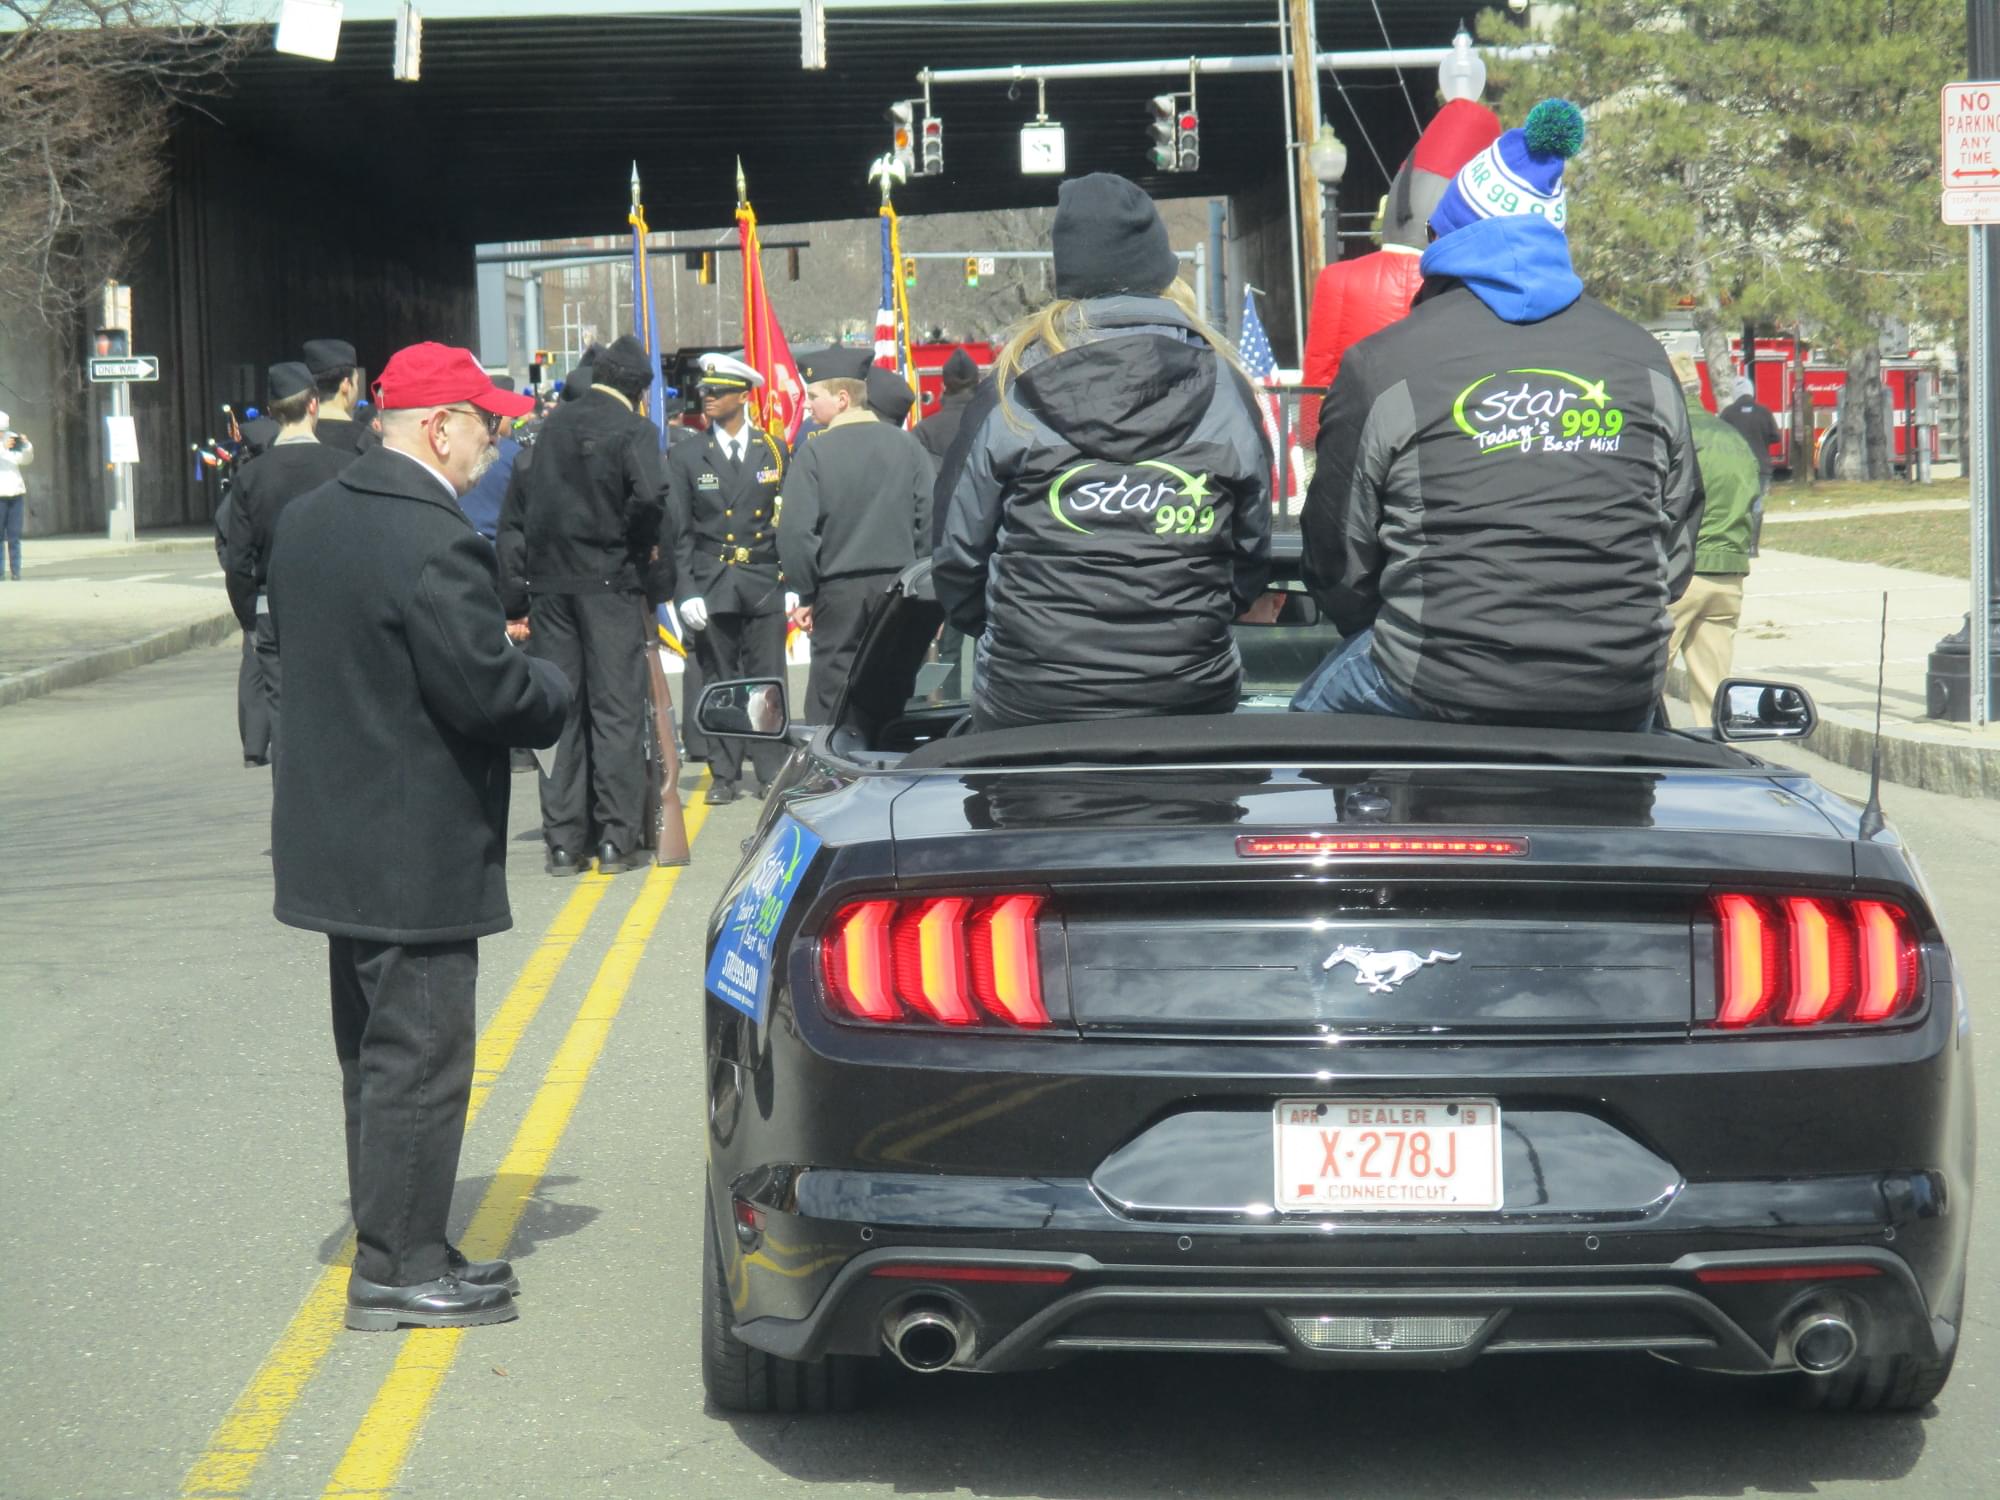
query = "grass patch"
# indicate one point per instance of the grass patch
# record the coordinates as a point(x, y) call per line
point(1930, 541)
point(1790, 496)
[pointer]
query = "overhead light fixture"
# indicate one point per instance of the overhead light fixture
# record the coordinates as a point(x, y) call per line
point(310, 28)
point(1327, 155)
point(1462, 75)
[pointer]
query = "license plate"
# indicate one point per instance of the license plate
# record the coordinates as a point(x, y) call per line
point(1354, 1156)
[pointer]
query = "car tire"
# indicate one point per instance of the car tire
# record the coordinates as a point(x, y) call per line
point(1886, 1382)
point(740, 1378)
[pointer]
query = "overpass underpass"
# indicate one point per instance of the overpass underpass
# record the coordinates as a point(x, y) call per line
point(328, 198)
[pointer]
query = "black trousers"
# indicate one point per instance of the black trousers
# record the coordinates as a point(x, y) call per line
point(838, 615)
point(253, 720)
point(694, 744)
point(404, 1032)
point(600, 775)
point(742, 646)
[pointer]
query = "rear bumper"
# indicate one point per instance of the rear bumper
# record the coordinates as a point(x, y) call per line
point(1418, 1317)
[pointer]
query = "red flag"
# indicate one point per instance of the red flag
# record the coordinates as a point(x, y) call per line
point(780, 403)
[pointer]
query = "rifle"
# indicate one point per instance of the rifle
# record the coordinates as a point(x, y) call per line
point(670, 840)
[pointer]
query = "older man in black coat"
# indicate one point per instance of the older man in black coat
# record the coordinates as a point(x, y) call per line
point(389, 823)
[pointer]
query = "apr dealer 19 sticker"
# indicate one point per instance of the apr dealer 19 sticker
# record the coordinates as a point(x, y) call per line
point(740, 972)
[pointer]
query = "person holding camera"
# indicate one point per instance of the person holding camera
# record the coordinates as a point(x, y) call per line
point(16, 453)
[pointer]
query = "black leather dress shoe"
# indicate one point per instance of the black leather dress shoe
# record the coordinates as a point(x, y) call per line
point(720, 792)
point(481, 1272)
point(444, 1303)
point(611, 862)
point(561, 862)
point(763, 790)
point(255, 760)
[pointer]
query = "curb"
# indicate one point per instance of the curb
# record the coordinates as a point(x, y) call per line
point(34, 555)
point(74, 671)
point(1954, 769)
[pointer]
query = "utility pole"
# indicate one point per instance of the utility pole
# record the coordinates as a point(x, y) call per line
point(1305, 126)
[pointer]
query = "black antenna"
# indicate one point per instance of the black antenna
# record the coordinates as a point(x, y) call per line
point(1871, 814)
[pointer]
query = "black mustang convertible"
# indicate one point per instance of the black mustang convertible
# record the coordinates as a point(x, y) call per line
point(1346, 1042)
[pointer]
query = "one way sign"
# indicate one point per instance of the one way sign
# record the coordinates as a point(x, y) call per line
point(1971, 157)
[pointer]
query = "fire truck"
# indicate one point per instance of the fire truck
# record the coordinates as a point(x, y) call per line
point(1915, 385)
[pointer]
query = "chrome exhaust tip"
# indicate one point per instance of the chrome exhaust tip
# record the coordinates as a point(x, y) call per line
point(1823, 1343)
point(927, 1336)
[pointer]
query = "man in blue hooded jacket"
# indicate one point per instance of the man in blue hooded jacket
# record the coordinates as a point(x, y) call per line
point(1506, 498)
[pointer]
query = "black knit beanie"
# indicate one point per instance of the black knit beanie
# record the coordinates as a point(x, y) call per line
point(960, 373)
point(1109, 238)
point(889, 395)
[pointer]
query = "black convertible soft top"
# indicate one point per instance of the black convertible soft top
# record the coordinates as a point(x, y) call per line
point(1294, 738)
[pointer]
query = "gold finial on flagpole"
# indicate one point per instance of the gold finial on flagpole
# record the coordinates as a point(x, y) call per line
point(635, 184)
point(742, 187)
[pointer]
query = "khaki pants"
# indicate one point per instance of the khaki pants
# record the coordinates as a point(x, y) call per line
point(1704, 620)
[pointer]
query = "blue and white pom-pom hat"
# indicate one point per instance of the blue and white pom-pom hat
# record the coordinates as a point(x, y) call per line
point(1521, 173)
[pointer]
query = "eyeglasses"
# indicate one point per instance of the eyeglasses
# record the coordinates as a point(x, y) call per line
point(491, 419)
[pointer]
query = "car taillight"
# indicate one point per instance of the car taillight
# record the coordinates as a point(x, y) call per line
point(960, 961)
point(1793, 961)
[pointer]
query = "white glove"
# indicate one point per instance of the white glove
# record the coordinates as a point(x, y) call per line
point(694, 615)
point(791, 601)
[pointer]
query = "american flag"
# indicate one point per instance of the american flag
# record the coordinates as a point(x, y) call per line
point(888, 346)
point(1253, 347)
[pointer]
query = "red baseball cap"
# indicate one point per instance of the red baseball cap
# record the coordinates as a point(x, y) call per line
point(440, 375)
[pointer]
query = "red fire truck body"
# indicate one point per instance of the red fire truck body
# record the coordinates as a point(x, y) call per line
point(1777, 368)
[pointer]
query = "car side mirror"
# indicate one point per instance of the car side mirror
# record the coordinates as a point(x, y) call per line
point(1748, 708)
point(751, 708)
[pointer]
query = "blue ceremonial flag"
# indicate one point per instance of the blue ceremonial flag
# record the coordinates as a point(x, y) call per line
point(645, 322)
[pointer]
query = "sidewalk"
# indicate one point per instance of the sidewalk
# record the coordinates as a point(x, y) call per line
point(1818, 623)
point(60, 631)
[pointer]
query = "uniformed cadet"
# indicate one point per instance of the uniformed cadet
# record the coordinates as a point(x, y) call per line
point(857, 512)
point(594, 497)
point(723, 491)
point(294, 464)
point(336, 371)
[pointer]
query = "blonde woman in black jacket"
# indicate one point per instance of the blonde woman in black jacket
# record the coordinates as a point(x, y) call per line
point(1105, 511)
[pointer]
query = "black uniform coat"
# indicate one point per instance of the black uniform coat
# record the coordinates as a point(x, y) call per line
point(725, 522)
point(389, 820)
point(264, 487)
point(595, 494)
point(346, 434)
point(858, 502)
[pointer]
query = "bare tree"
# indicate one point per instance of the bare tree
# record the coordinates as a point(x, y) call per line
point(88, 89)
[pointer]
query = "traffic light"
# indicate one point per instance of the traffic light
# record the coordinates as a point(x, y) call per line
point(972, 270)
point(1187, 143)
point(909, 270)
point(933, 145)
point(903, 140)
point(1161, 130)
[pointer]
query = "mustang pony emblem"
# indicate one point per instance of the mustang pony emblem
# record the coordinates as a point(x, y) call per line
point(1381, 972)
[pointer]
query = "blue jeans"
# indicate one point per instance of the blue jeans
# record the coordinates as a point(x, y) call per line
point(11, 507)
point(1349, 682)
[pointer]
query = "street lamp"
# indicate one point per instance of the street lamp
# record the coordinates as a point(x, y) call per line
point(1327, 157)
point(1462, 75)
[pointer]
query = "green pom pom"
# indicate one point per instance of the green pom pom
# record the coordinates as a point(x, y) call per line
point(1554, 128)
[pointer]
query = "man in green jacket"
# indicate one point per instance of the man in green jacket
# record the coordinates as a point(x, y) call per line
point(1704, 618)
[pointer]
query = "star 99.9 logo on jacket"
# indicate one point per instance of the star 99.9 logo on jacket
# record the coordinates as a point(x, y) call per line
point(1534, 410)
point(1167, 501)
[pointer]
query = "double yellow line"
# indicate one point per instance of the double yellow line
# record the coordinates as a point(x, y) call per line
point(380, 1445)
